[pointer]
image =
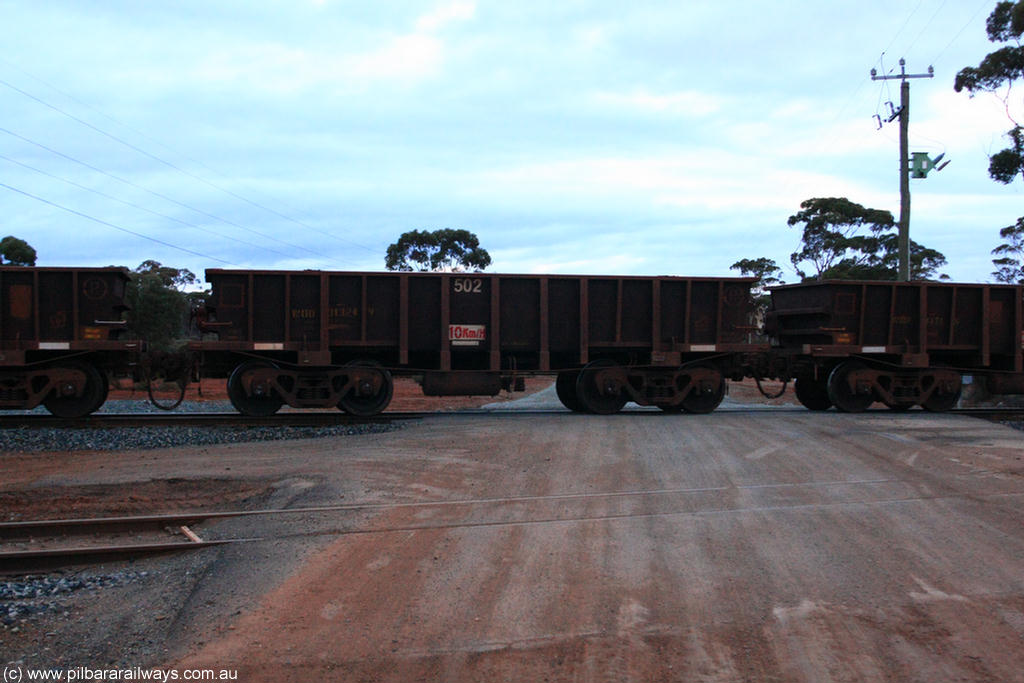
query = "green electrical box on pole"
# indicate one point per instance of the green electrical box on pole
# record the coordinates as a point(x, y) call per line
point(920, 164)
point(904, 116)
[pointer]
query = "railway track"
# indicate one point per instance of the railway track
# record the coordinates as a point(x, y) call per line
point(283, 419)
point(328, 418)
point(36, 546)
point(194, 419)
point(110, 420)
point(991, 413)
point(44, 545)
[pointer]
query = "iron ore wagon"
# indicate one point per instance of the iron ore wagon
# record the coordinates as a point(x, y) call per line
point(316, 339)
point(61, 336)
point(326, 339)
point(849, 344)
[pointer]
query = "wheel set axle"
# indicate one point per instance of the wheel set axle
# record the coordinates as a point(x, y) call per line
point(603, 387)
point(852, 386)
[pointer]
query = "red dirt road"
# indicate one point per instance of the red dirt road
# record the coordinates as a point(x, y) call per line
point(755, 546)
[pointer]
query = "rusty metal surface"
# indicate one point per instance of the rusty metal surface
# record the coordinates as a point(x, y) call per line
point(461, 384)
point(479, 322)
point(966, 325)
point(53, 324)
point(47, 307)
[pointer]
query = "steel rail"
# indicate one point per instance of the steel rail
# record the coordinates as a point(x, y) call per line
point(283, 419)
point(111, 420)
point(28, 560)
point(89, 525)
point(990, 413)
point(20, 562)
point(329, 418)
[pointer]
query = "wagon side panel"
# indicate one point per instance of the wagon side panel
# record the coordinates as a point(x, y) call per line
point(522, 318)
point(564, 322)
point(18, 319)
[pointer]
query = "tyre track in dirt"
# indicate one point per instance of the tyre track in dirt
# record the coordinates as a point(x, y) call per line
point(641, 548)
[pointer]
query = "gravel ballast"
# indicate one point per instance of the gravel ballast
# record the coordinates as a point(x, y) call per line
point(33, 440)
point(26, 596)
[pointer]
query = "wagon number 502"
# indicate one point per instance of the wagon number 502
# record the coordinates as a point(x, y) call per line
point(468, 285)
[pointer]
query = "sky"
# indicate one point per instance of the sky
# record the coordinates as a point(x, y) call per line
point(640, 138)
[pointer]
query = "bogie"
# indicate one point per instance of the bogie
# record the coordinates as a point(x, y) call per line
point(316, 339)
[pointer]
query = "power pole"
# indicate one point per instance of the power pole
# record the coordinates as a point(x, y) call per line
point(904, 114)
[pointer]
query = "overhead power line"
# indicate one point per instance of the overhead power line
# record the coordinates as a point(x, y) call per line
point(155, 193)
point(139, 207)
point(981, 6)
point(115, 227)
point(905, 22)
point(926, 27)
point(174, 166)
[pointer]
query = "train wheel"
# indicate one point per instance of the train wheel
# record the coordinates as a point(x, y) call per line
point(565, 388)
point(602, 397)
point(812, 393)
point(363, 400)
point(844, 398)
point(252, 405)
point(941, 401)
point(63, 403)
point(707, 395)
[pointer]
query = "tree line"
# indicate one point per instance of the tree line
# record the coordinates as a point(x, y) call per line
point(844, 240)
point(996, 74)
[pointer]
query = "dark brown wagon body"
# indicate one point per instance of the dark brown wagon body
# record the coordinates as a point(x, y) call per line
point(335, 339)
point(908, 342)
point(60, 334)
point(473, 333)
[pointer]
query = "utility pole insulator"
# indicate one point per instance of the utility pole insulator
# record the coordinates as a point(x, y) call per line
point(904, 115)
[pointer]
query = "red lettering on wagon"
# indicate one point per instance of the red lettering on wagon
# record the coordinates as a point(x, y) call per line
point(467, 335)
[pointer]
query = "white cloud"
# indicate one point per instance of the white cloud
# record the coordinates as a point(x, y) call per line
point(286, 68)
point(590, 137)
point(612, 263)
point(263, 66)
point(410, 57)
point(444, 15)
point(706, 179)
point(590, 36)
point(407, 57)
point(689, 103)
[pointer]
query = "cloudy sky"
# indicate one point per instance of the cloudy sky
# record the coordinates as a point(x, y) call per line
point(572, 137)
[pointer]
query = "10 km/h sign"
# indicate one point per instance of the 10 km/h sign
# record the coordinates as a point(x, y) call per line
point(467, 335)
